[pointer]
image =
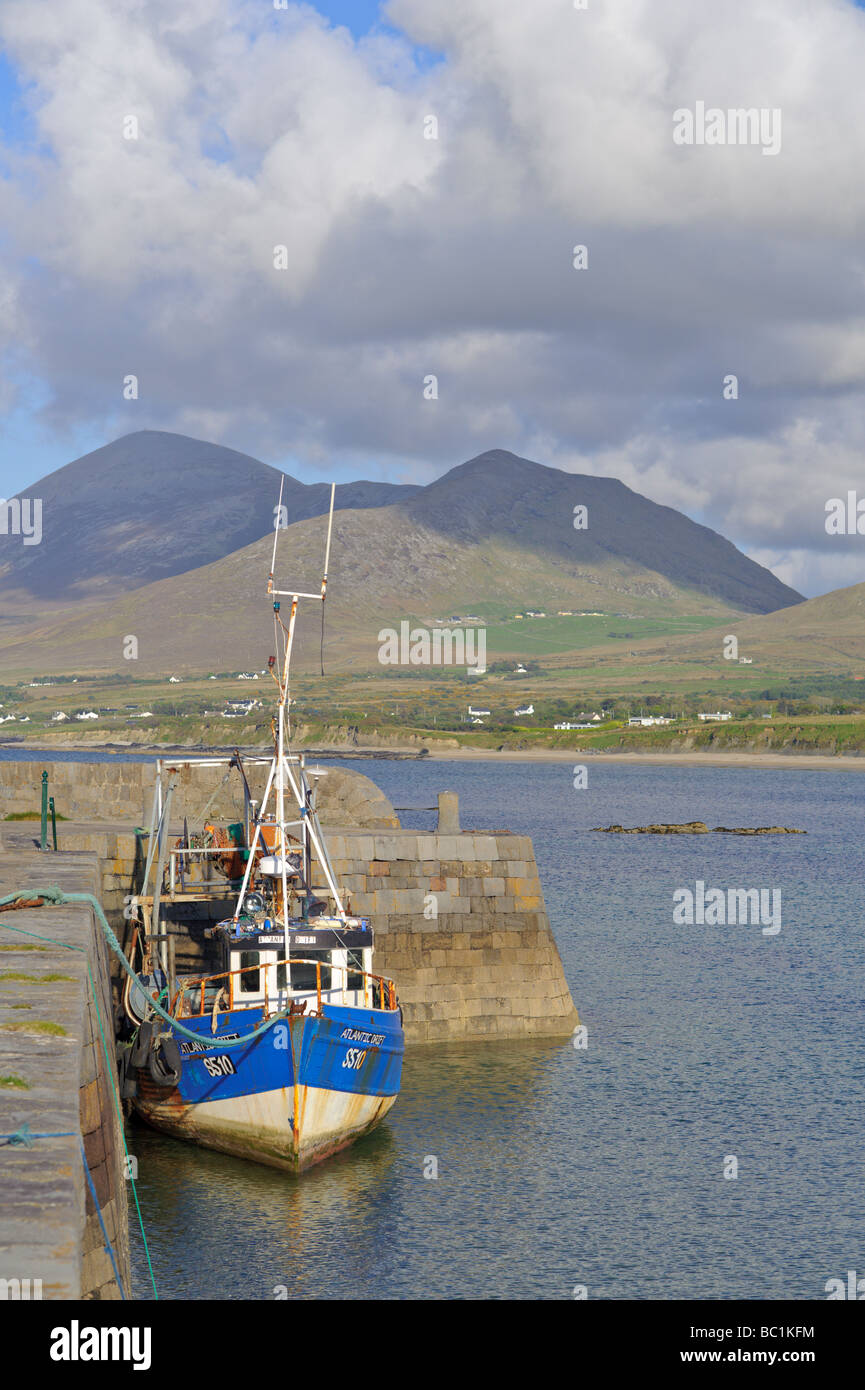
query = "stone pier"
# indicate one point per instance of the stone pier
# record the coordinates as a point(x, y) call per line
point(461, 927)
point(57, 1077)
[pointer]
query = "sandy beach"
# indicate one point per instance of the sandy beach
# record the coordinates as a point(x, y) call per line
point(815, 762)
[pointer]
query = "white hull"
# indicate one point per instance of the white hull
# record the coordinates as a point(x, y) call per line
point(259, 1126)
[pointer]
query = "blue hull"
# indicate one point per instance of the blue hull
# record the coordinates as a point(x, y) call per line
point(308, 1087)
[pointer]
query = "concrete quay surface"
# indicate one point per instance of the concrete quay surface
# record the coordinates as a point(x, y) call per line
point(57, 1076)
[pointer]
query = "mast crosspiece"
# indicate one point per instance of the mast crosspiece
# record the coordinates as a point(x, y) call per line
point(281, 775)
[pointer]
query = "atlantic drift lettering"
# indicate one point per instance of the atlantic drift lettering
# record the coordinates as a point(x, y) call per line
point(187, 1047)
point(355, 1035)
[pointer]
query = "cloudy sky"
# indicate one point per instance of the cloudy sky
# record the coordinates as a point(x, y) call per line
point(305, 127)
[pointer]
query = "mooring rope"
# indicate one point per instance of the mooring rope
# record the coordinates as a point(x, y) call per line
point(25, 1137)
point(108, 1246)
point(55, 895)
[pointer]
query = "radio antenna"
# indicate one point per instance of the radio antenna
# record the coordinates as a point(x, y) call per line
point(326, 567)
point(276, 525)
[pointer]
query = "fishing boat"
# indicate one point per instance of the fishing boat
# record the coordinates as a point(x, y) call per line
point(292, 1048)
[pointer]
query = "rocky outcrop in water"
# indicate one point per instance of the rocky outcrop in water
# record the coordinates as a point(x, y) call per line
point(694, 827)
point(698, 827)
point(758, 830)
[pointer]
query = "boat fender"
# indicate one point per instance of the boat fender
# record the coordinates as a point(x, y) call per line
point(165, 1065)
point(127, 1083)
point(142, 1044)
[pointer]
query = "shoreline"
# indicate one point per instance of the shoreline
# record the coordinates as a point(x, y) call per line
point(815, 762)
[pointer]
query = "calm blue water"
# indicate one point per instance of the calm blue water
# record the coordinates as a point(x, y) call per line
point(601, 1167)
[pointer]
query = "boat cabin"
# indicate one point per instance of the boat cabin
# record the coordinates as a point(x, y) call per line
point(329, 963)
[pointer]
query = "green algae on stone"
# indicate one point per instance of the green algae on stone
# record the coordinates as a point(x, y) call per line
point(35, 1027)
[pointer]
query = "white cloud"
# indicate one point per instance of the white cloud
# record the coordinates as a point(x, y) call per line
point(453, 256)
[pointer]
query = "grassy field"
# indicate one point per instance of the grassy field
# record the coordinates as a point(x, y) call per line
point(542, 637)
point(615, 665)
point(411, 709)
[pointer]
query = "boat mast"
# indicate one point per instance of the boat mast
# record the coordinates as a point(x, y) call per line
point(284, 719)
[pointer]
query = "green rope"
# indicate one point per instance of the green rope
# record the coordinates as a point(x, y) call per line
point(25, 1136)
point(108, 1246)
point(110, 1067)
point(55, 895)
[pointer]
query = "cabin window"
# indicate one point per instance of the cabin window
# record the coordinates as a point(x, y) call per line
point(355, 976)
point(250, 982)
point(303, 976)
point(281, 975)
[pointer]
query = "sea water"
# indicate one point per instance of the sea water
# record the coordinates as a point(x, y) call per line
point(603, 1171)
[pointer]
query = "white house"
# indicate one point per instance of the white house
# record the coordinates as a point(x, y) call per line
point(87, 714)
point(525, 709)
point(58, 717)
point(174, 680)
point(716, 716)
point(476, 712)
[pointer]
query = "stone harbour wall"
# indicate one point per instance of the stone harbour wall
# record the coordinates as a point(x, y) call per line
point(123, 792)
point(462, 929)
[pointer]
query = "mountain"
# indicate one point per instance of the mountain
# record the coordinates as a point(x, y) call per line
point(154, 504)
point(385, 566)
point(500, 496)
point(169, 539)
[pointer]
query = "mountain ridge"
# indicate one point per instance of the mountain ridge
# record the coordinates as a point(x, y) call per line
point(188, 527)
point(154, 504)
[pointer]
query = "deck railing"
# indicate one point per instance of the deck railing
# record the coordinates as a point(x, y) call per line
point(387, 991)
